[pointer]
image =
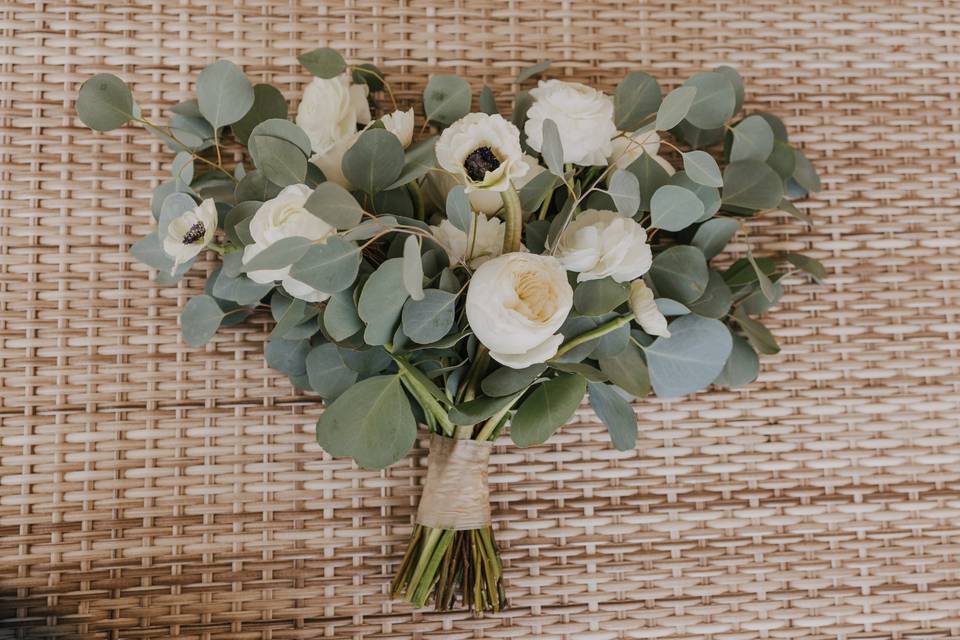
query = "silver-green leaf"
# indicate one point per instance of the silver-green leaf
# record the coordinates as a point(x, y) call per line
point(200, 319)
point(224, 93)
point(552, 149)
point(615, 412)
point(105, 102)
point(547, 409)
point(446, 99)
point(674, 208)
point(702, 168)
point(691, 358)
point(675, 107)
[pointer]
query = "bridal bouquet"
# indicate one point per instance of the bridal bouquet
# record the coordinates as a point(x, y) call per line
point(489, 274)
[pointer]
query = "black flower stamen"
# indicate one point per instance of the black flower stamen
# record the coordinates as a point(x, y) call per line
point(195, 232)
point(479, 162)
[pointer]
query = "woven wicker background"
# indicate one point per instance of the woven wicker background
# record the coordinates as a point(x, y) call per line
point(151, 490)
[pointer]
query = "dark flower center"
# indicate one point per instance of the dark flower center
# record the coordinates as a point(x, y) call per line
point(479, 162)
point(193, 234)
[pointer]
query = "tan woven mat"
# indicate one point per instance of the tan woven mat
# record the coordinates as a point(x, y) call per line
point(151, 490)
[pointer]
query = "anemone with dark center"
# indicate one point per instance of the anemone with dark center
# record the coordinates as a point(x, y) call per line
point(194, 233)
point(479, 162)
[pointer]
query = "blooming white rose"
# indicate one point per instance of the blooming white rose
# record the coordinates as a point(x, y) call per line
point(191, 232)
point(400, 124)
point(645, 310)
point(285, 217)
point(484, 242)
point(627, 148)
point(330, 110)
point(600, 244)
point(515, 305)
point(489, 202)
point(482, 151)
point(584, 118)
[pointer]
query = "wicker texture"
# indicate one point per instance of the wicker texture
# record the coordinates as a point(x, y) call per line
point(151, 490)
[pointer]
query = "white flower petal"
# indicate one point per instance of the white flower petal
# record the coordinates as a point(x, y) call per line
point(536, 354)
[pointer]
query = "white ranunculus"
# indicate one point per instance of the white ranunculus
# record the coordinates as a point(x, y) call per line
point(191, 232)
point(515, 306)
point(600, 244)
point(400, 124)
point(489, 202)
point(285, 217)
point(482, 151)
point(330, 111)
point(645, 310)
point(331, 162)
point(584, 118)
point(484, 242)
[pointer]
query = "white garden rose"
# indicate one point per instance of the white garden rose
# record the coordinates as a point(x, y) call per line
point(482, 151)
point(330, 111)
point(584, 118)
point(627, 148)
point(285, 217)
point(645, 310)
point(191, 232)
point(515, 306)
point(600, 244)
point(484, 242)
point(400, 124)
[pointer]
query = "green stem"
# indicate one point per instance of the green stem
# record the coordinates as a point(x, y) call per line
point(513, 220)
point(490, 426)
point(603, 329)
point(417, 196)
point(411, 376)
point(480, 362)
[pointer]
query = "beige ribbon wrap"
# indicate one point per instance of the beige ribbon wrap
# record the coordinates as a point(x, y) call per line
point(456, 494)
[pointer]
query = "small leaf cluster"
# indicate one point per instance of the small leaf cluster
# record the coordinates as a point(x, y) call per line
point(389, 346)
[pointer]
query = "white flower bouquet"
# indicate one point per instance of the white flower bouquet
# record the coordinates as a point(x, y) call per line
point(490, 274)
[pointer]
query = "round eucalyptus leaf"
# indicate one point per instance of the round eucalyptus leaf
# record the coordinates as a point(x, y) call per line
point(334, 205)
point(680, 273)
point(374, 161)
point(182, 167)
point(702, 168)
point(736, 81)
point(669, 307)
point(709, 196)
point(327, 372)
point(741, 368)
point(759, 336)
point(427, 320)
point(412, 268)
point(268, 104)
point(628, 370)
point(224, 94)
point(552, 148)
point(547, 409)
point(287, 356)
point(368, 74)
point(200, 319)
point(624, 188)
point(675, 107)
point(809, 265)
point(597, 297)
point(381, 302)
point(279, 255)
point(255, 186)
point(279, 128)
point(236, 224)
point(371, 422)
point(637, 96)
point(691, 358)
point(533, 70)
point(240, 289)
point(674, 208)
point(323, 63)
point(418, 160)
point(752, 140)
point(713, 235)
point(651, 177)
point(446, 99)
point(488, 103)
point(281, 161)
point(715, 102)
point(805, 173)
point(105, 102)
point(506, 381)
point(716, 300)
point(751, 184)
point(776, 124)
point(329, 267)
point(459, 212)
point(616, 413)
point(340, 319)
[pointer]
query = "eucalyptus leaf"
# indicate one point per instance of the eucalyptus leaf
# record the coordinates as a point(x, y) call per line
point(713, 235)
point(488, 103)
point(548, 408)
point(369, 75)
point(766, 286)
point(224, 94)
point(680, 273)
point(105, 102)
point(334, 205)
point(637, 96)
point(782, 159)
point(805, 173)
point(371, 422)
point(597, 297)
point(736, 81)
point(374, 161)
point(279, 128)
point(281, 161)
point(446, 99)
point(412, 267)
point(539, 187)
point(328, 374)
point(381, 302)
point(759, 336)
point(716, 300)
point(675, 107)
point(430, 318)
point(459, 212)
point(533, 70)
point(418, 160)
point(616, 413)
point(182, 167)
point(329, 267)
point(751, 184)
point(255, 186)
point(674, 208)
point(240, 289)
point(715, 102)
point(702, 168)
point(200, 319)
point(691, 358)
point(236, 224)
point(280, 254)
point(506, 381)
point(288, 356)
point(809, 265)
point(624, 188)
point(323, 63)
point(340, 319)
point(478, 409)
point(628, 370)
point(742, 366)
point(552, 149)
point(709, 196)
point(268, 104)
point(651, 177)
point(752, 140)
point(669, 307)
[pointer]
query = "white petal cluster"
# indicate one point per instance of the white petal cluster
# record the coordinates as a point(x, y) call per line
point(191, 232)
point(628, 147)
point(400, 124)
point(645, 310)
point(330, 111)
point(484, 242)
point(584, 119)
point(600, 244)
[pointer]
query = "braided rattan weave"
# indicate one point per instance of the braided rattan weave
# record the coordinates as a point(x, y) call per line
point(151, 490)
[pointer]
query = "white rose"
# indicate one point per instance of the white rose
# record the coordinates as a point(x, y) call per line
point(485, 240)
point(330, 110)
point(645, 310)
point(331, 162)
point(600, 244)
point(584, 118)
point(489, 202)
point(515, 305)
point(482, 151)
point(400, 124)
point(627, 148)
point(285, 217)
point(191, 232)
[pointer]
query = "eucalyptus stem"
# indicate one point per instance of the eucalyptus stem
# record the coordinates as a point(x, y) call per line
point(513, 220)
point(603, 329)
